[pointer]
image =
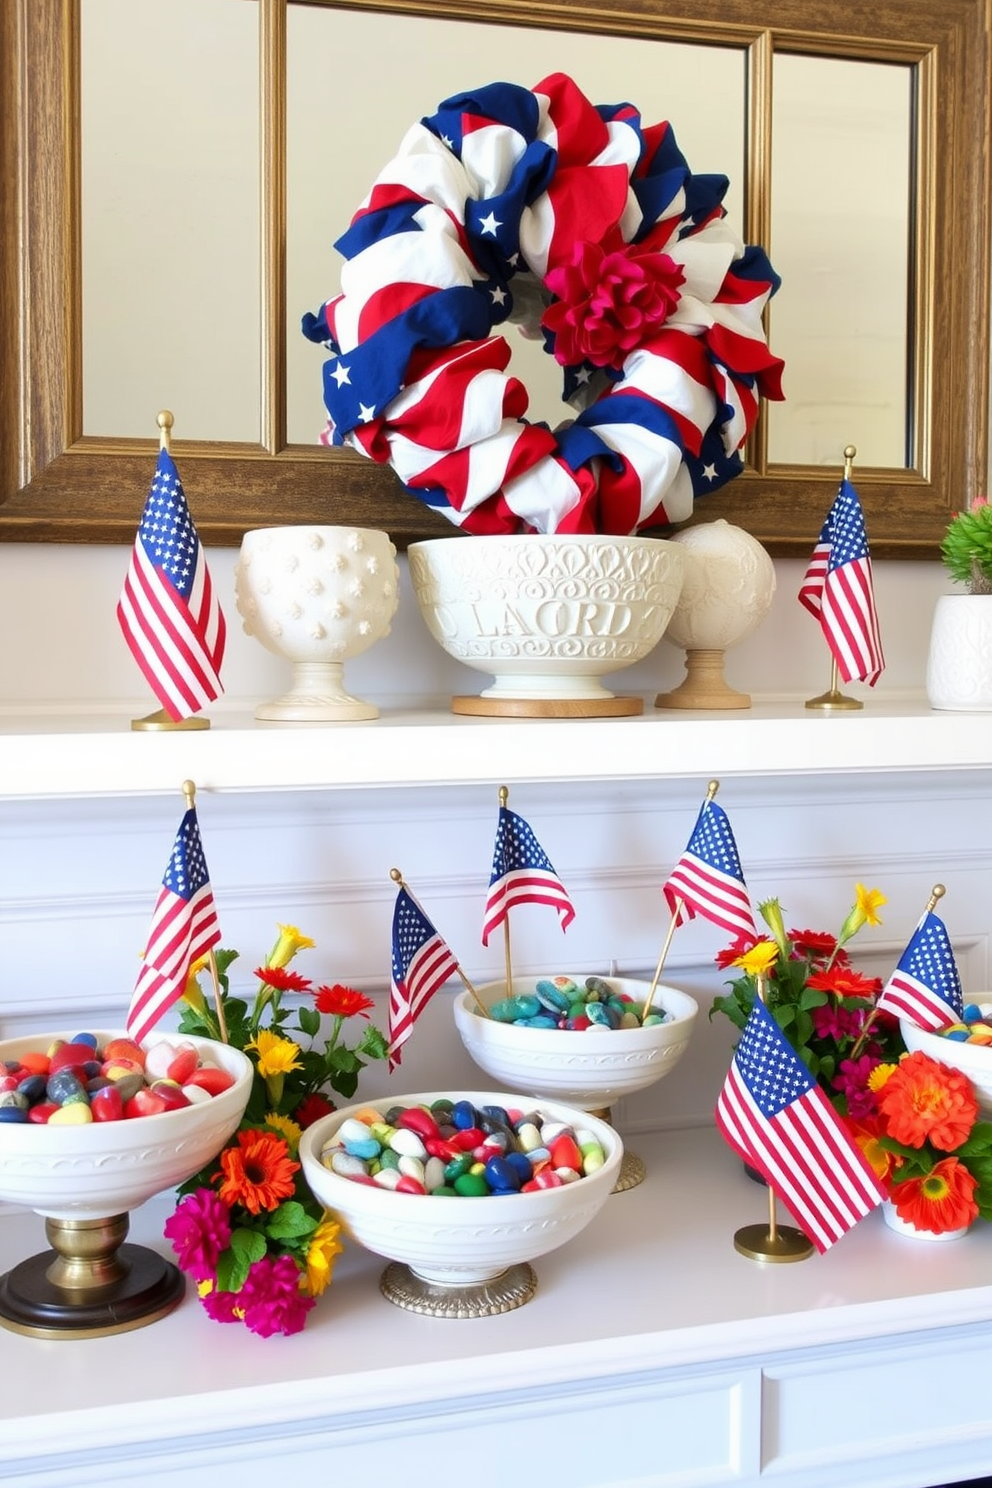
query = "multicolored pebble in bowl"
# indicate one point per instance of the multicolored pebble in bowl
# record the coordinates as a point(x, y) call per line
point(560, 1002)
point(454, 1149)
point(81, 1079)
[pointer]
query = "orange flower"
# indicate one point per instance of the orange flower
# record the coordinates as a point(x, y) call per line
point(342, 1002)
point(844, 981)
point(865, 1134)
point(926, 1101)
point(258, 1173)
point(943, 1200)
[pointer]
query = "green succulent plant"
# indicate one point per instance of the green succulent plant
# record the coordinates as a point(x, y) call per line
point(967, 547)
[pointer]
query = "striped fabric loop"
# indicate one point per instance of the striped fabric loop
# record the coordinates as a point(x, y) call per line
point(587, 230)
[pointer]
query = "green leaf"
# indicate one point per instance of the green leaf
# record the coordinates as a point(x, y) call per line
point(290, 1221)
point(374, 1044)
point(309, 1020)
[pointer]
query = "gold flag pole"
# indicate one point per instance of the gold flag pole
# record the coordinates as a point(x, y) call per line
point(159, 721)
point(189, 791)
point(772, 1242)
point(711, 791)
point(833, 699)
point(504, 796)
point(401, 883)
point(936, 894)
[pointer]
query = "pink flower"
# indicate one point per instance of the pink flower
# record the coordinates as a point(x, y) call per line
point(835, 1021)
point(223, 1307)
point(199, 1229)
point(271, 1298)
point(608, 300)
point(851, 1080)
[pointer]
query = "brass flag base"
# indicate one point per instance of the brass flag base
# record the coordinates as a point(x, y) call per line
point(509, 1290)
point(834, 701)
point(89, 1284)
point(759, 1243)
point(162, 723)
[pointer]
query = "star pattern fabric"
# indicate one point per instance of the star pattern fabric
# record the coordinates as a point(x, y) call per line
point(925, 987)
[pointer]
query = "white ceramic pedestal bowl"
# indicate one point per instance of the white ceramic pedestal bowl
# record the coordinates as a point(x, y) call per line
point(84, 1180)
point(591, 1068)
point(973, 1060)
point(461, 1257)
point(317, 596)
point(547, 616)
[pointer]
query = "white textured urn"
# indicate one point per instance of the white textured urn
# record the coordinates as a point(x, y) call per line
point(727, 589)
point(959, 664)
point(316, 595)
point(547, 616)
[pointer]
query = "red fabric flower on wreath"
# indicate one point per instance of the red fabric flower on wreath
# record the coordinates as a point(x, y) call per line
point(608, 300)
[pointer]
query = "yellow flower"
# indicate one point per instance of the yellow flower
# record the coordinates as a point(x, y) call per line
point(863, 912)
point(759, 960)
point(191, 992)
point(324, 1246)
point(287, 1128)
point(290, 941)
point(879, 1076)
point(276, 1056)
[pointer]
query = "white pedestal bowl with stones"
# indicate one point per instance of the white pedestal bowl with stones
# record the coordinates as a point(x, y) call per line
point(461, 1257)
point(591, 1068)
point(84, 1180)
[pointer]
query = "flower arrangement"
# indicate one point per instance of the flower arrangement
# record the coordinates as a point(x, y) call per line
point(821, 1003)
point(247, 1229)
point(926, 1144)
point(967, 547)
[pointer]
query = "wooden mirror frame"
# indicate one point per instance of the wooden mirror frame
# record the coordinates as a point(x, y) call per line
point(57, 485)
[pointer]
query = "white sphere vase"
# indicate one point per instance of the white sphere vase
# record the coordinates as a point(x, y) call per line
point(547, 615)
point(727, 589)
point(317, 596)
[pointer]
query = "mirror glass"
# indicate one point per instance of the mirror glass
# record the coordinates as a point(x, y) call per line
point(840, 238)
point(171, 286)
point(337, 142)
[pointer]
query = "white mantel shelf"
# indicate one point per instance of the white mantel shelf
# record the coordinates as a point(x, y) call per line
point(652, 1354)
point(48, 754)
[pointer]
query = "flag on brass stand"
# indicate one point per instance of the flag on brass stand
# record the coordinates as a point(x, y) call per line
point(838, 590)
point(422, 962)
point(522, 873)
point(184, 927)
point(925, 988)
point(707, 879)
point(777, 1119)
point(168, 611)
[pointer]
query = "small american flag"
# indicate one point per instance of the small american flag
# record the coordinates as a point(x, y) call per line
point(925, 988)
point(184, 927)
point(776, 1118)
point(522, 873)
point(422, 962)
point(168, 610)
point(708, 880)
point(837, 588)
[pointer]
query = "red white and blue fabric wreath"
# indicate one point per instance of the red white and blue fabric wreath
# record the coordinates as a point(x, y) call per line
point(586, 228)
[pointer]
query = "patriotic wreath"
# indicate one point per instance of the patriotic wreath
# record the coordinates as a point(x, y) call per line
point(583, 227)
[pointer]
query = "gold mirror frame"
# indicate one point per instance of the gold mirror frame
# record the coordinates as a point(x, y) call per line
point(57, 485)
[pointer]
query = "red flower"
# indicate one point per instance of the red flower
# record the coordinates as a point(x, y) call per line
point(941, 1200)
point(342, 1002)
point(608, 301)
point(812, 942)
point(311, 1108)
point(926, 1101)
point(282, 979)
point(842, 981)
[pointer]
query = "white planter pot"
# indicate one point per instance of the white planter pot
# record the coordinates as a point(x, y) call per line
point(959, 666)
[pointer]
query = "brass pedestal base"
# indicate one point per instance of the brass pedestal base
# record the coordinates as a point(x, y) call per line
point(89, 1285)
point(759, 1243)
point(608, 707)
point(504, 1293)
point(160, 722)
point(632, 1169)
point(835, 702)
